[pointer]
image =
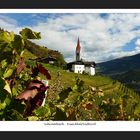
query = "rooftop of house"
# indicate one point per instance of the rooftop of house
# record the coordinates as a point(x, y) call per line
point(49, 58)
point(86, 63)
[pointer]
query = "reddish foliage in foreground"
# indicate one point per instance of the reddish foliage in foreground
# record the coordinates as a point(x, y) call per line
point(21, 65)
point(33, 96)
point(42, 70)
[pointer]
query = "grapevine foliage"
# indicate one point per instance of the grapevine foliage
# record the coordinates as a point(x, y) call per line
point(22, 92)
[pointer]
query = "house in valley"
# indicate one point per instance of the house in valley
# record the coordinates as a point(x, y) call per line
point(47, 60)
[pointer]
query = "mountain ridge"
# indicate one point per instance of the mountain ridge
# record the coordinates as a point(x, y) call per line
point(125, 70)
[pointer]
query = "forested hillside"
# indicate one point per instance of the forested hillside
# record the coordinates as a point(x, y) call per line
point(43, 52)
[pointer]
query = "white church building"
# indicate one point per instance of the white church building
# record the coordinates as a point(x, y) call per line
point(80, 66)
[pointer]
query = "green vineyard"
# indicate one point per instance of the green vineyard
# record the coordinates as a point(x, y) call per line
point(70, 96)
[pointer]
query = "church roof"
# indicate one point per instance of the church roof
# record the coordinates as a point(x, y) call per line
point(90, 64)
point(86, 63)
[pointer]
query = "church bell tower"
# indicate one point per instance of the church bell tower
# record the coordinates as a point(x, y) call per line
point(78, 50)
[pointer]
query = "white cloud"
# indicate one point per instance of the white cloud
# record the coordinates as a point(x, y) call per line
point(8, 23)
point(101, 38)
point(137, 45)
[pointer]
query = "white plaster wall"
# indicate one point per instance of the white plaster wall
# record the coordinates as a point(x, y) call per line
point(90, 70)
point(78, 68)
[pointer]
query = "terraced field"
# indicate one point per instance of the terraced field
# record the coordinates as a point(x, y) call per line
point(99, 98)
point(104, 83)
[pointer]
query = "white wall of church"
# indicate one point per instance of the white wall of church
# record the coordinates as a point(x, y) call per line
point(90, 70)
point(78, 68)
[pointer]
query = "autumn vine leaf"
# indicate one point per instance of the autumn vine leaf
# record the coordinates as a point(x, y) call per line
point(42, 70)
point(21, 65)
point(33, 95)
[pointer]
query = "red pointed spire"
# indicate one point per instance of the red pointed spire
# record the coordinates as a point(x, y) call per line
point(78, 46)
point(78, 50)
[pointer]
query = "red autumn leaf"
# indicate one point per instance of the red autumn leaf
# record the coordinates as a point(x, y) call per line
point(27, 94)
point(34, 104)
point(21, 65)
point(35, 83)
point(44, 71)
point(33, 96)
point(34, 88)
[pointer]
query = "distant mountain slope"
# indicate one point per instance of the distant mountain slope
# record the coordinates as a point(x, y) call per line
point(126, 70)
point(120, 65)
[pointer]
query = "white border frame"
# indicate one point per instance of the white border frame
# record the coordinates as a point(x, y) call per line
point(69, 11)
point(70, 125)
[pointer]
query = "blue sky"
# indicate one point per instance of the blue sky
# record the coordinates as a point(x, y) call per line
point(24, 19)
point(102, 36)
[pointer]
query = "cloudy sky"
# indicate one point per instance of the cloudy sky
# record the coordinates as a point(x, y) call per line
point(102, 36)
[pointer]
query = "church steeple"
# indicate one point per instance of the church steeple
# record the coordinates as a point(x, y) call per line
point(78, 50)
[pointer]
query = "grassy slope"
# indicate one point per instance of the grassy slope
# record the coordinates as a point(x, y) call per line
point(68, 78)
point(108, 85)
point(112, 90)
